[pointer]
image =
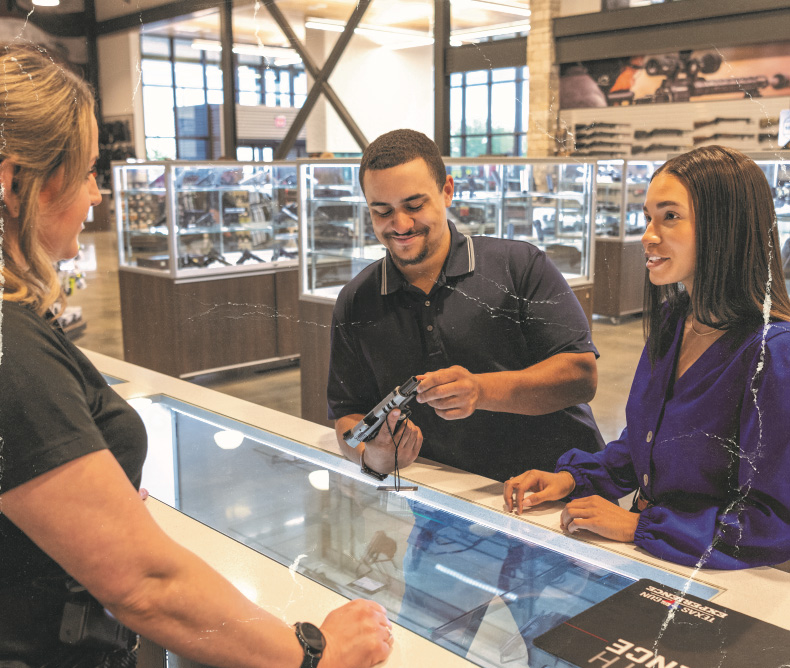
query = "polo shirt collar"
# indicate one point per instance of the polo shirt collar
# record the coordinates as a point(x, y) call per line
point(460, 260)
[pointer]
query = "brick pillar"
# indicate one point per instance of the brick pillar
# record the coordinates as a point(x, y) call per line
point(544, 79)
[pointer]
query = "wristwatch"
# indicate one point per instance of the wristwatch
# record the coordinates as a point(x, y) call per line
point(312, 641)
point(369, 471)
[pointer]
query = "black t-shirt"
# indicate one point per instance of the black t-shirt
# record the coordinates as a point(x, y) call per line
point(54, 407)
point(499, 305)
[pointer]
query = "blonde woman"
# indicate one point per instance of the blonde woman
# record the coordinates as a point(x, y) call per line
point(72, 451)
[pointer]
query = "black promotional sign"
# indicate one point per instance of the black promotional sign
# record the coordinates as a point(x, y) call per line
point(648, 625)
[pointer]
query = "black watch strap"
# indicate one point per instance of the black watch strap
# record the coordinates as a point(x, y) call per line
point(369, 471)
point(312, 641)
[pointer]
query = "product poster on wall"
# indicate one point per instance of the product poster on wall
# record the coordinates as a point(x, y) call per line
point(683, 76)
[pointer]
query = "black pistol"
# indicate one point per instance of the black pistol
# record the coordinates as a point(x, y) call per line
point(367, 428)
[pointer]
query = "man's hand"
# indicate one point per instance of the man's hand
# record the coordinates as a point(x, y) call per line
point(544, 485)
point(358, 635)
point(453, 393)
point(380, 451)
point(600, 516)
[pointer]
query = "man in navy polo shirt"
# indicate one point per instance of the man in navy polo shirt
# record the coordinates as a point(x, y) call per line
point(489, 326)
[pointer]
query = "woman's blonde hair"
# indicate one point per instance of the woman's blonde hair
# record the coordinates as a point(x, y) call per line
point(46, 113)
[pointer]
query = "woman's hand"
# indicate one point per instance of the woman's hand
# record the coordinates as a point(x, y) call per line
point(600, 516)
point(544, 485)
point(358, 635)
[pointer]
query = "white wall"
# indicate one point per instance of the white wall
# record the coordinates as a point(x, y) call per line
point(120, 87)
point(383, 89)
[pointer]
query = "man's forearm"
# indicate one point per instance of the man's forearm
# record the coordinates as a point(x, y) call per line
point(561, 381)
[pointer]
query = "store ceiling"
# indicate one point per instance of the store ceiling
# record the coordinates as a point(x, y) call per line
point(252, 23)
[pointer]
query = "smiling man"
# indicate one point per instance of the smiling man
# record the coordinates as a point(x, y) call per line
point(491, 329)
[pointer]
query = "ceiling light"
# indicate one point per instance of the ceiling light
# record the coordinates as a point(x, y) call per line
point(394, 38)
point(504, 8)
point(46, 3)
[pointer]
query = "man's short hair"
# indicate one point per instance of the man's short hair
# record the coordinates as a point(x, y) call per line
point(399, 147)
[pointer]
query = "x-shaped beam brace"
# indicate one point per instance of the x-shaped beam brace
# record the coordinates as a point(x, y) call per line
point(320, 76)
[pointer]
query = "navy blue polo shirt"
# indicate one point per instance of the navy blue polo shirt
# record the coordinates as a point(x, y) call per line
point(499, 305)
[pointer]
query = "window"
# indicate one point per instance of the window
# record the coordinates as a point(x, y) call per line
point(180, 83)
point(488, 110)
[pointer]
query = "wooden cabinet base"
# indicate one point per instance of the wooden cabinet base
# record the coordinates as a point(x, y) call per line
point(183, 328)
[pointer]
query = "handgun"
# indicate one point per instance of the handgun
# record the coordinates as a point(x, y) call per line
point(367, 428)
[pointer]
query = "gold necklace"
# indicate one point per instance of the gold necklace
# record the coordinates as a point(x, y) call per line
point(694, 329)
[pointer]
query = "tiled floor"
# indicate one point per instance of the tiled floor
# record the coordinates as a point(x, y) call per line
point(620, 346)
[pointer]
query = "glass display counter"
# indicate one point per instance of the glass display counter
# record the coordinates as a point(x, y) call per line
point(207, 253)
point(478, 582)
point(547, 202)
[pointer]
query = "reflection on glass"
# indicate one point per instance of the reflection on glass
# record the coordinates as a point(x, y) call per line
point(469, 585)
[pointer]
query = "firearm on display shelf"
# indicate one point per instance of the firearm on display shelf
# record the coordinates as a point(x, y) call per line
point(599, 133)
point(592, 144)
point(367, 428)
point(597, 124)
point(666, 148)
point(719, 119)
point(656, 132)
point(721, 135)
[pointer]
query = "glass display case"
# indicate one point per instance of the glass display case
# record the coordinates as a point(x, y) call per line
point(480, 583)
point(621, 186)
point(190, 218)
point(546, 202)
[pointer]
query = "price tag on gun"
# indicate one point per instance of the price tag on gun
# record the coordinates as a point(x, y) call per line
point(368, 427)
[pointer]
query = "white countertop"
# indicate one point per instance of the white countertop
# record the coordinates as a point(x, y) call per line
point(761, 592)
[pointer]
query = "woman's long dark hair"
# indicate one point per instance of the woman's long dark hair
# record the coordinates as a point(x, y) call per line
point(738, 277)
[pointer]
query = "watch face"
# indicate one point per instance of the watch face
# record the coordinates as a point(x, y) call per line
point(313, 636)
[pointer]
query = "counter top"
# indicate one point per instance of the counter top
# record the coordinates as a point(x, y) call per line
point(761, 592)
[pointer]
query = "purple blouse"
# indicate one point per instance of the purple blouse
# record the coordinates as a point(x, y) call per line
point(710, 452)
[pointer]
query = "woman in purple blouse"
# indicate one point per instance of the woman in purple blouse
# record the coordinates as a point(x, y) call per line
point(706, 447)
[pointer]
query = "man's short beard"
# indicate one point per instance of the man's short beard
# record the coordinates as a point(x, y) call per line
point(417, 259)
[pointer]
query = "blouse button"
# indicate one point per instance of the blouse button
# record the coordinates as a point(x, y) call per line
point(645, 479)
point(427, 302)
point(429, 328)
point(649, 436)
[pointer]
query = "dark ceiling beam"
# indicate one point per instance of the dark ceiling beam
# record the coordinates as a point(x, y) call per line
point(670, 27)
point(487, 55)
point(320, 80)
point(170, 10)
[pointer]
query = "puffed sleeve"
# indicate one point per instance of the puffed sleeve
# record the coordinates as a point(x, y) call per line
point(608, 473)
point(753, 529)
